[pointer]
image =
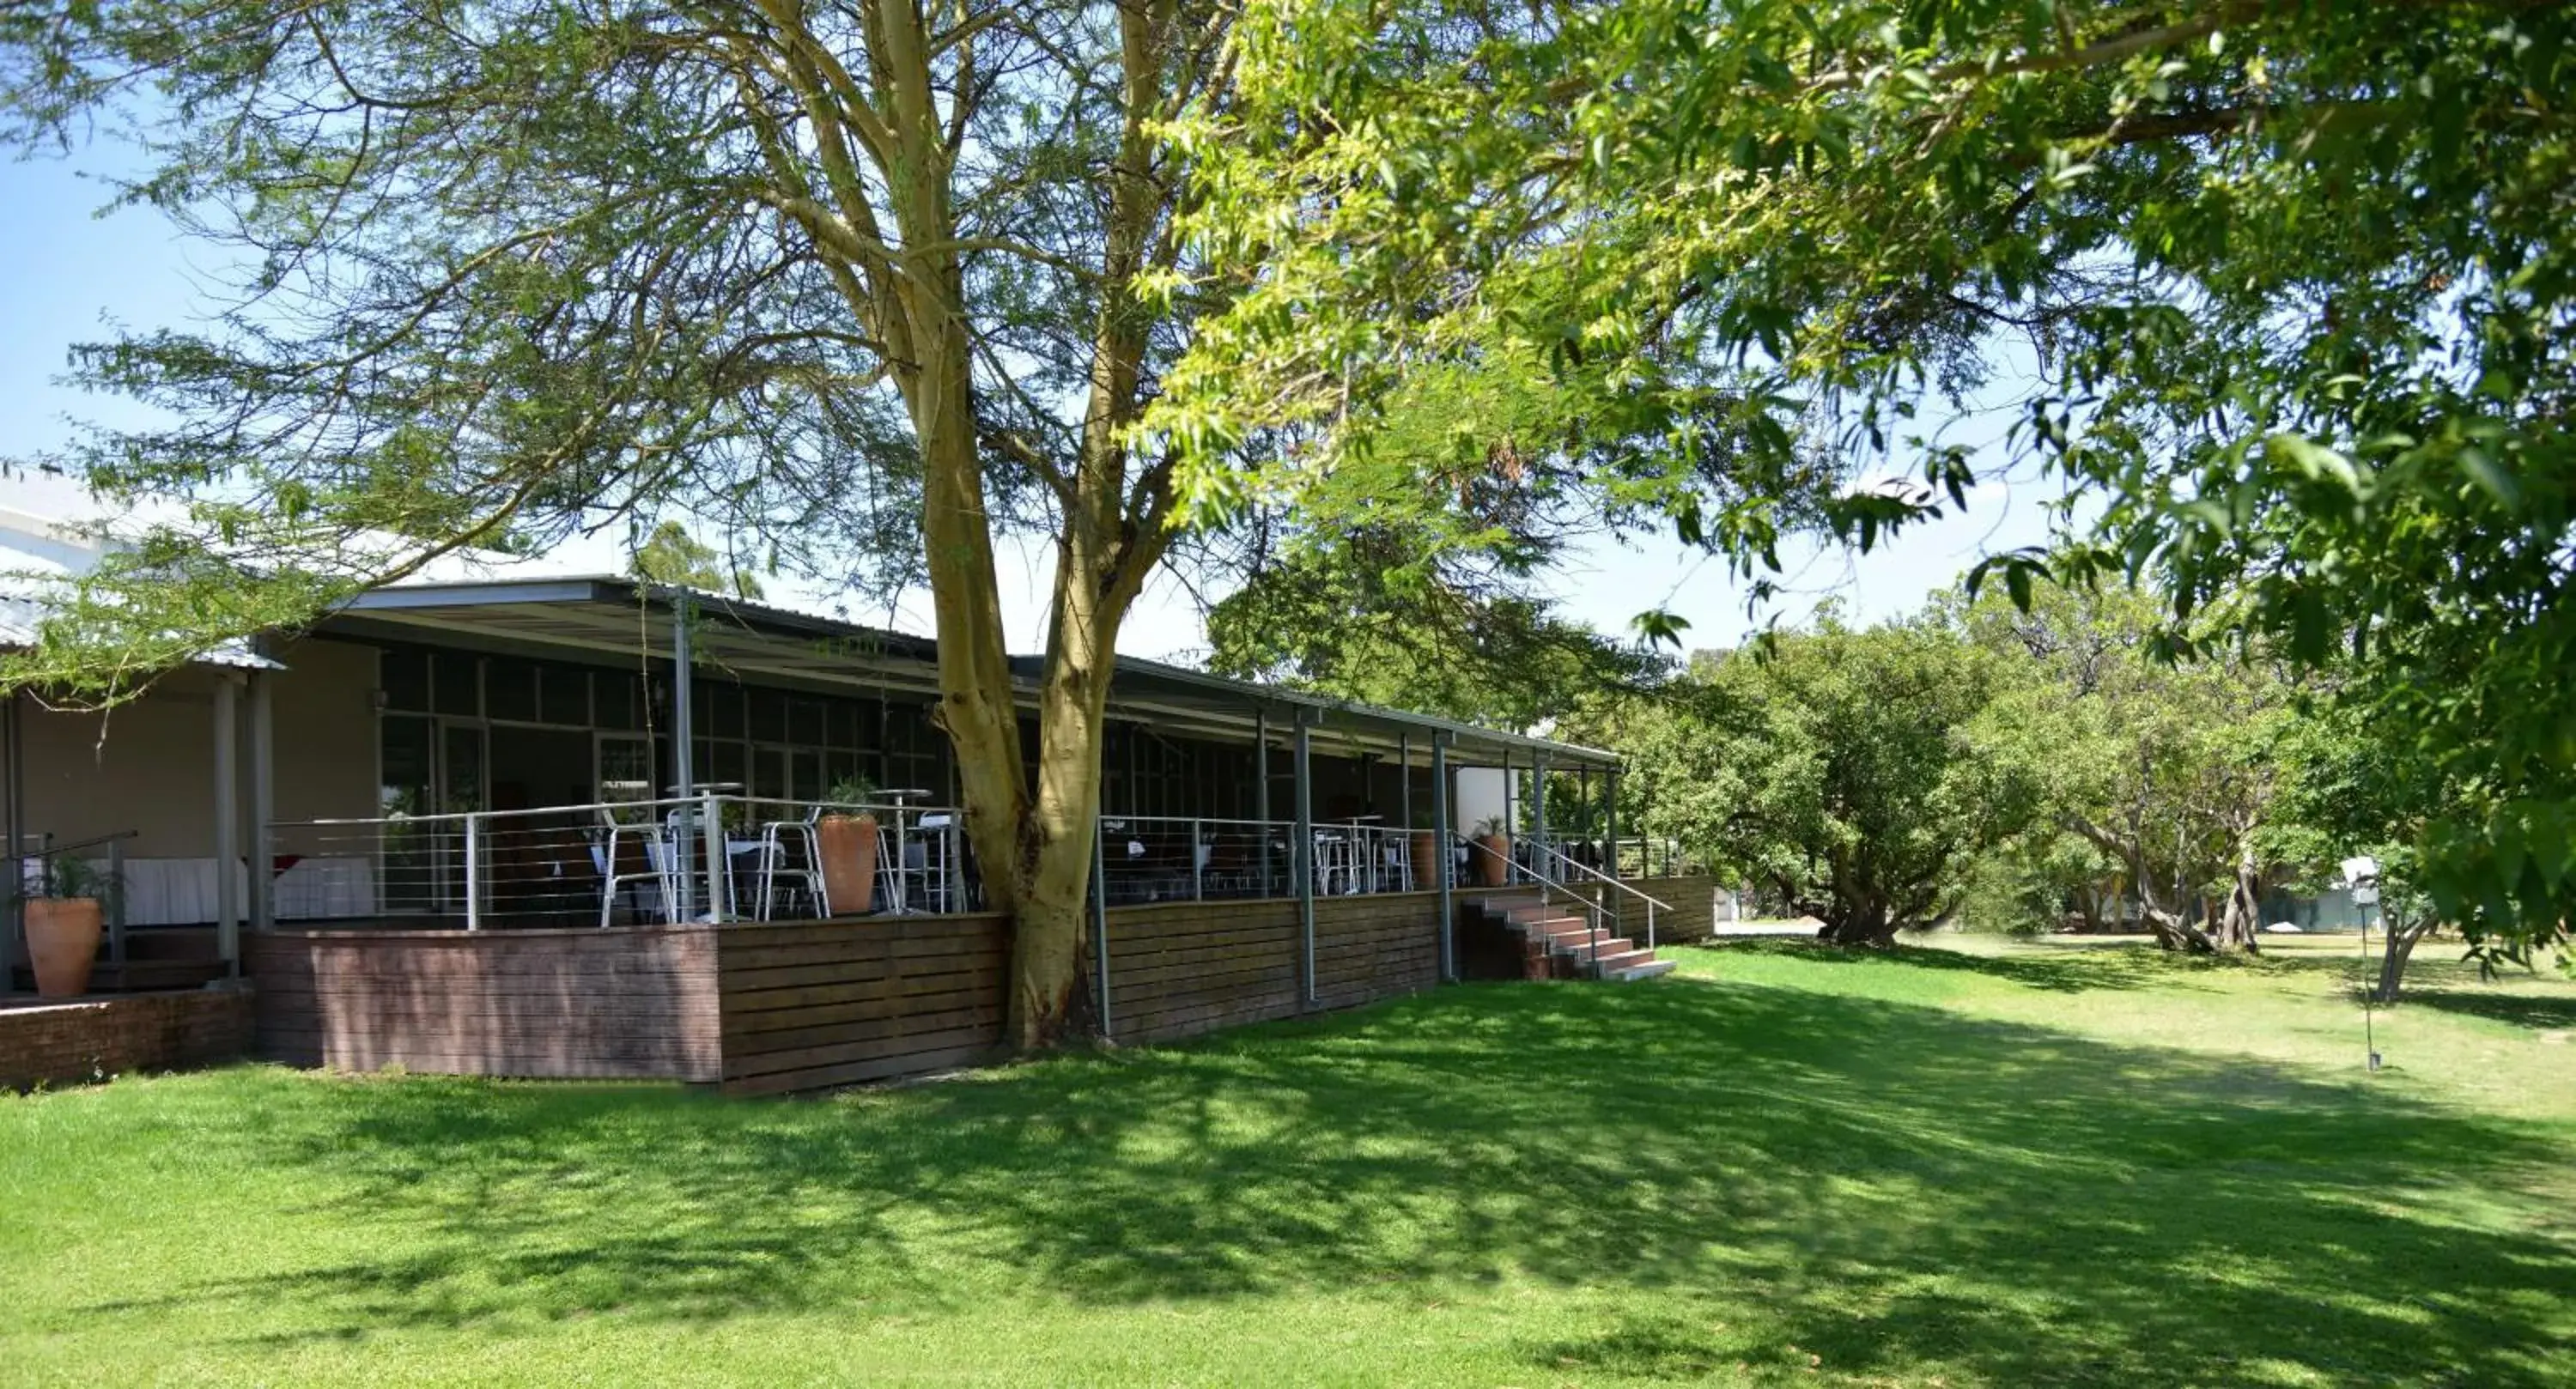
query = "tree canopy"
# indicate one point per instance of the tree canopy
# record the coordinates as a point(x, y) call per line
point(1834, 769)
point(2289, 286)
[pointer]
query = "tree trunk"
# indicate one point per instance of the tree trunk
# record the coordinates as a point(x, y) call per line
point(2171, 931)
point(2402, 941)
point(1865, 925)
point(1033, 845)
point(2241, 926)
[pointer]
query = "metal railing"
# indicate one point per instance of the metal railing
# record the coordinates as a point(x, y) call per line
point(1529, 863)
point(709, 857)
point(1155, 858)
point(1564, 864)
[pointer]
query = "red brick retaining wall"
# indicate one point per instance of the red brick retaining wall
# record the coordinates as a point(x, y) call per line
point(82, 1040)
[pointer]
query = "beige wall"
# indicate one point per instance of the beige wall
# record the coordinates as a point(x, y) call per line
point(149, 766)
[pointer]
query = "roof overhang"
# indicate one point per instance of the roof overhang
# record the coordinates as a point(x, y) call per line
point(603, 616)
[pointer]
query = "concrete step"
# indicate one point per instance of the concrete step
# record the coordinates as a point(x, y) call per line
point(1584, 947)
point(1651, 969)
point(1626, 957)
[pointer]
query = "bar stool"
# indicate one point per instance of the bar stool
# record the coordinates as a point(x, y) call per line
point(1335, 858)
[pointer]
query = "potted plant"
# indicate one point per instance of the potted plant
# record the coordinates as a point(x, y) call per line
point(65, 914)
point(1494, 851)
point(846, 840)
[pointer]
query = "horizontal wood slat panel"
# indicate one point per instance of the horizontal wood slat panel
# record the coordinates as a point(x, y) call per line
point(770, 1008)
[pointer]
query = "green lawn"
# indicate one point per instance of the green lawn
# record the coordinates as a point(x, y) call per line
point(2023, 1165)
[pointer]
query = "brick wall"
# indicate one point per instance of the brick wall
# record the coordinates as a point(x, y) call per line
point(89, 1039)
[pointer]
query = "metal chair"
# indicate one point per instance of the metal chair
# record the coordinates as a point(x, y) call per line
point(652, 844)
point(801, 873)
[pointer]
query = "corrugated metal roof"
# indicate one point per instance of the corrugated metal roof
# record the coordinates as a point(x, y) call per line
point(20, 616)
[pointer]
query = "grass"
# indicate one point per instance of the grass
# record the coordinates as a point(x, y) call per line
point(1980, 1164)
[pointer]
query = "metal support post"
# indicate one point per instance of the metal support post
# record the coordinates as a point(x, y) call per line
point(1261, 791)
point(228, 855)
point(683, 750)
point(1100, 924)
point(1302, 857)
point(263, 804)
point(473, 871)
point(1447, 856)
point(719, 863)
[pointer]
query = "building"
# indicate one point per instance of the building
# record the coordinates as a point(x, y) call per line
point(500, 753)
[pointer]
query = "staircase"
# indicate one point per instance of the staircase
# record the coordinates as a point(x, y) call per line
point(1560, 940)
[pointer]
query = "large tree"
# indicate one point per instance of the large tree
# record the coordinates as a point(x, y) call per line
point(856, 278)
point(859, 284)
point(2290, 285)
point(1835, 768)
point(2165, 762)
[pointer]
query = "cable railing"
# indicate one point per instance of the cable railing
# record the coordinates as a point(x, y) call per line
point(726, 857)
point(709, 857)
point(1156, 858)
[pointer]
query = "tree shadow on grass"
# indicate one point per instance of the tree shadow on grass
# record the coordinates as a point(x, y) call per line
point(2539, 1012)
point(1881, 1185)
point(2063, 969)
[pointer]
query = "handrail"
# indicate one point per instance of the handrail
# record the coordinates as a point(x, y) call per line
point(664, 802)
point(1542, 847)
point(92, 842)
point(1591, 910)
point(1651, 902)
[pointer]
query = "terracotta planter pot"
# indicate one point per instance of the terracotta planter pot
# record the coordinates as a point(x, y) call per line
point(1494, 861)
point(848, 844)
point(62, 943)
point(1424, 849)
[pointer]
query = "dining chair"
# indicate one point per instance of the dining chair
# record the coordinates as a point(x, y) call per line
point(790, 856)
point(615, 854)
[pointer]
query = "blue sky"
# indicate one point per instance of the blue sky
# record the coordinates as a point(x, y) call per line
point(77, 276)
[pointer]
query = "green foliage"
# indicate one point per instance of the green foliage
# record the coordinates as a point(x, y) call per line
point(2163, 762)
point(2292, 286)
point(670, 555)
point(1354, 619)
point(1836, 768)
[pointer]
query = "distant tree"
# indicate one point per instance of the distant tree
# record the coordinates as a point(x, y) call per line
point(670, 555)
point(1835, 768)
point(2164, 763)
point(2342, 796)
point(1339, 622)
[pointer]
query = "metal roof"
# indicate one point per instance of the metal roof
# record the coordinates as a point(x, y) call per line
point(610, 614)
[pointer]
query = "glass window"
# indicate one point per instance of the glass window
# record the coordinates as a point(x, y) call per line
point(405, 677)
point(722, 760)
point(617, 704)
point(768, 716)
point(805, 722)
point(510, 689)
point(455, 681)
point(625, 770)
point(564, 695)
point(404, 747)
point(721, 708)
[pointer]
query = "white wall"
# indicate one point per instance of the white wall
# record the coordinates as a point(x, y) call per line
point(1481, 793)
point(149, 766)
